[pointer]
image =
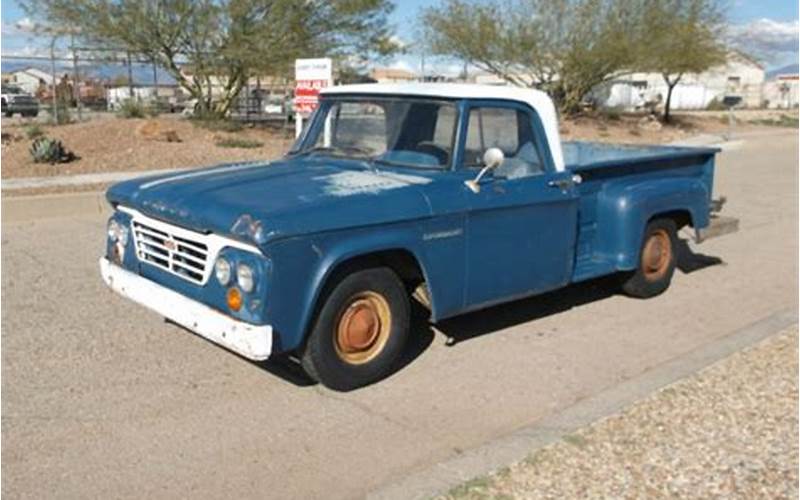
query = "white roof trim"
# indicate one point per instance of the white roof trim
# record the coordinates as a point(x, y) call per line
point(536, 99)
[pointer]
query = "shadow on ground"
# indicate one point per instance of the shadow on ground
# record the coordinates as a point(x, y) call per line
point(492, 319)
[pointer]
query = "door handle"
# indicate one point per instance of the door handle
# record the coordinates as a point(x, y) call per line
point(564, 184)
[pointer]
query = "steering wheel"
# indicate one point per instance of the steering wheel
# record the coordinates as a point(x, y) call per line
point(433, 149)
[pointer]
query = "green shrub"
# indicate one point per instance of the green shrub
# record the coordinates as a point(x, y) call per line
point(611, 114)
point(782, 121)
point(47, 150)
point(33, 131)
point(217, 124)
point(233, 142)
point(131, 108)
point(63, 115)
point(716, 105)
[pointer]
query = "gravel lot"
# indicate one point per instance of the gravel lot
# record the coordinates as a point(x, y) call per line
point(731, 431)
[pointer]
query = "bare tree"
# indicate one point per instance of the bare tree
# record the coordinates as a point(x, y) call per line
point(224, 41)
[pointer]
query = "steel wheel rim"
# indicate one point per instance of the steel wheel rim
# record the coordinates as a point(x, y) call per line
point(363, 328)
point(656, 255)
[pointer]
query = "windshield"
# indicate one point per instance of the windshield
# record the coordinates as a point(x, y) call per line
point(391, 131)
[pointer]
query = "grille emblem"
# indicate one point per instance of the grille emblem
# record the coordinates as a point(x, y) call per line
point(170, 245)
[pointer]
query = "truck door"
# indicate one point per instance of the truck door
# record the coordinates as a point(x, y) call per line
point(522, 224)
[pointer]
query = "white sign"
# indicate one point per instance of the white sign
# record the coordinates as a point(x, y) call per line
point(311, 75)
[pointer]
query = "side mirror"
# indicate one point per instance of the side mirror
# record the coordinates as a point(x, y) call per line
point(492, 158)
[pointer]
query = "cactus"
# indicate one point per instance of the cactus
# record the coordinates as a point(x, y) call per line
point(47, 150)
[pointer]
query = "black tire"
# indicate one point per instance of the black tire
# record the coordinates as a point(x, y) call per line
point(370, 293)
point(657, 259)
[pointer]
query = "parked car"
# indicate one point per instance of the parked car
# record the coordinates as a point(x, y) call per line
point(461, 194)
point(15, 100)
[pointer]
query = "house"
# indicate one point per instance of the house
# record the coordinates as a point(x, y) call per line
point(118, 94)
point(782, 91)
point(392, 75)
point(31, 79)
point(270, 84)
point(740, 76)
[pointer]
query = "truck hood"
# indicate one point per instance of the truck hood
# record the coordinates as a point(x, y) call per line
point(263, 201)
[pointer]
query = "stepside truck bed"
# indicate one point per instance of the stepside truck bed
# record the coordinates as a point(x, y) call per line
point(623, 187)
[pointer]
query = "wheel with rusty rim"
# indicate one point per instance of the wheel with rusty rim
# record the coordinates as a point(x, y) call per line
point(360, 330)
point(657, 260)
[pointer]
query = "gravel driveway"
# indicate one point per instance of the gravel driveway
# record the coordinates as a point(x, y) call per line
point(731, 431)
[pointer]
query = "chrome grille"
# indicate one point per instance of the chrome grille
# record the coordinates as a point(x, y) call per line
point(181, 255)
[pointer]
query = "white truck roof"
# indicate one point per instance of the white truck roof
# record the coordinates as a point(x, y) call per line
point(536, 99)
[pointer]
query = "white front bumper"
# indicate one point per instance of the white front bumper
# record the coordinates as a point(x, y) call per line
point(251, 341)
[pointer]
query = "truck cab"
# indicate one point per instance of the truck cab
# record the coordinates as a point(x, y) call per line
point(460, 195)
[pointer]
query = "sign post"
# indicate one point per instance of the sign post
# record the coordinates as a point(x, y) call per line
point(311, 76)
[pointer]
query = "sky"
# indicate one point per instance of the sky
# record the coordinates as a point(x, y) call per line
point(767, 29)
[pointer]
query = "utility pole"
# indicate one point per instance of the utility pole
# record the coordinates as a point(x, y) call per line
point(155, 86)
point(130, 75)
point(53, 76)
point(76, 91)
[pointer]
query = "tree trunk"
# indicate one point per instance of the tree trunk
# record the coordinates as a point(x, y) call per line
point(671, 84)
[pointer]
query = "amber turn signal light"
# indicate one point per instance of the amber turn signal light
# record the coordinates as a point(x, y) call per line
point(234, 297)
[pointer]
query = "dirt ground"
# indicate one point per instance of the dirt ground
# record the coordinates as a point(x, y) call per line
point(112, 144)
point(109, 144)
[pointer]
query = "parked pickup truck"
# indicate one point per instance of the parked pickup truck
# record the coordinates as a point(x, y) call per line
point(461, 195)
point(14, 100)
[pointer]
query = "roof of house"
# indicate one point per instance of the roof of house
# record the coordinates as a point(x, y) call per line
point(536, 99)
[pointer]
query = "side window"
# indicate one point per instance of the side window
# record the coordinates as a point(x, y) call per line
point(511, 131)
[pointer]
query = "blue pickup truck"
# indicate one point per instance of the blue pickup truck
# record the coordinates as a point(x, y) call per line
point(461, 196)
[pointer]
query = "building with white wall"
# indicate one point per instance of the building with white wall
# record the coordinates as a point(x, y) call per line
point(30, 79)
point(782, 92)
point(741, 76)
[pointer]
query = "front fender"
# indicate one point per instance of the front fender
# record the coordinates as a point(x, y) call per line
point(625, 209)
point(303, 265)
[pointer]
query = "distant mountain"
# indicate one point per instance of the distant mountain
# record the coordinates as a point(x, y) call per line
point(791, 69)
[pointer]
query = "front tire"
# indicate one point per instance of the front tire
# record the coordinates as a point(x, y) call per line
point(657, 260)
point(360, 331)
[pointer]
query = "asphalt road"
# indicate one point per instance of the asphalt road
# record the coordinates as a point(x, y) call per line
point(101, 398)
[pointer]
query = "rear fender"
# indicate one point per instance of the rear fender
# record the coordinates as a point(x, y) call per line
point(625, 209)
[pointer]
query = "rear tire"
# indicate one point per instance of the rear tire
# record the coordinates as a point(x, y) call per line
point(657, 260)
point(360, 331)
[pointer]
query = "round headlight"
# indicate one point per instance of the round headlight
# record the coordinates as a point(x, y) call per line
point(113, 229)
point(117, 232)
point(222, 269)
point(122, 234)
point(244, 276)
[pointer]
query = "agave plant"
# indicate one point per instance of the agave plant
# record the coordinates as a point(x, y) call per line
point(47, 150)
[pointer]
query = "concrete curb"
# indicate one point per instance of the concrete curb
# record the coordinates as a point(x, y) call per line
point(25, 208)
point(80, 179)
point(518, 445)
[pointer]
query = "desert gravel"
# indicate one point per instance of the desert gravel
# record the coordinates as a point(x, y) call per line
point(731, 431)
